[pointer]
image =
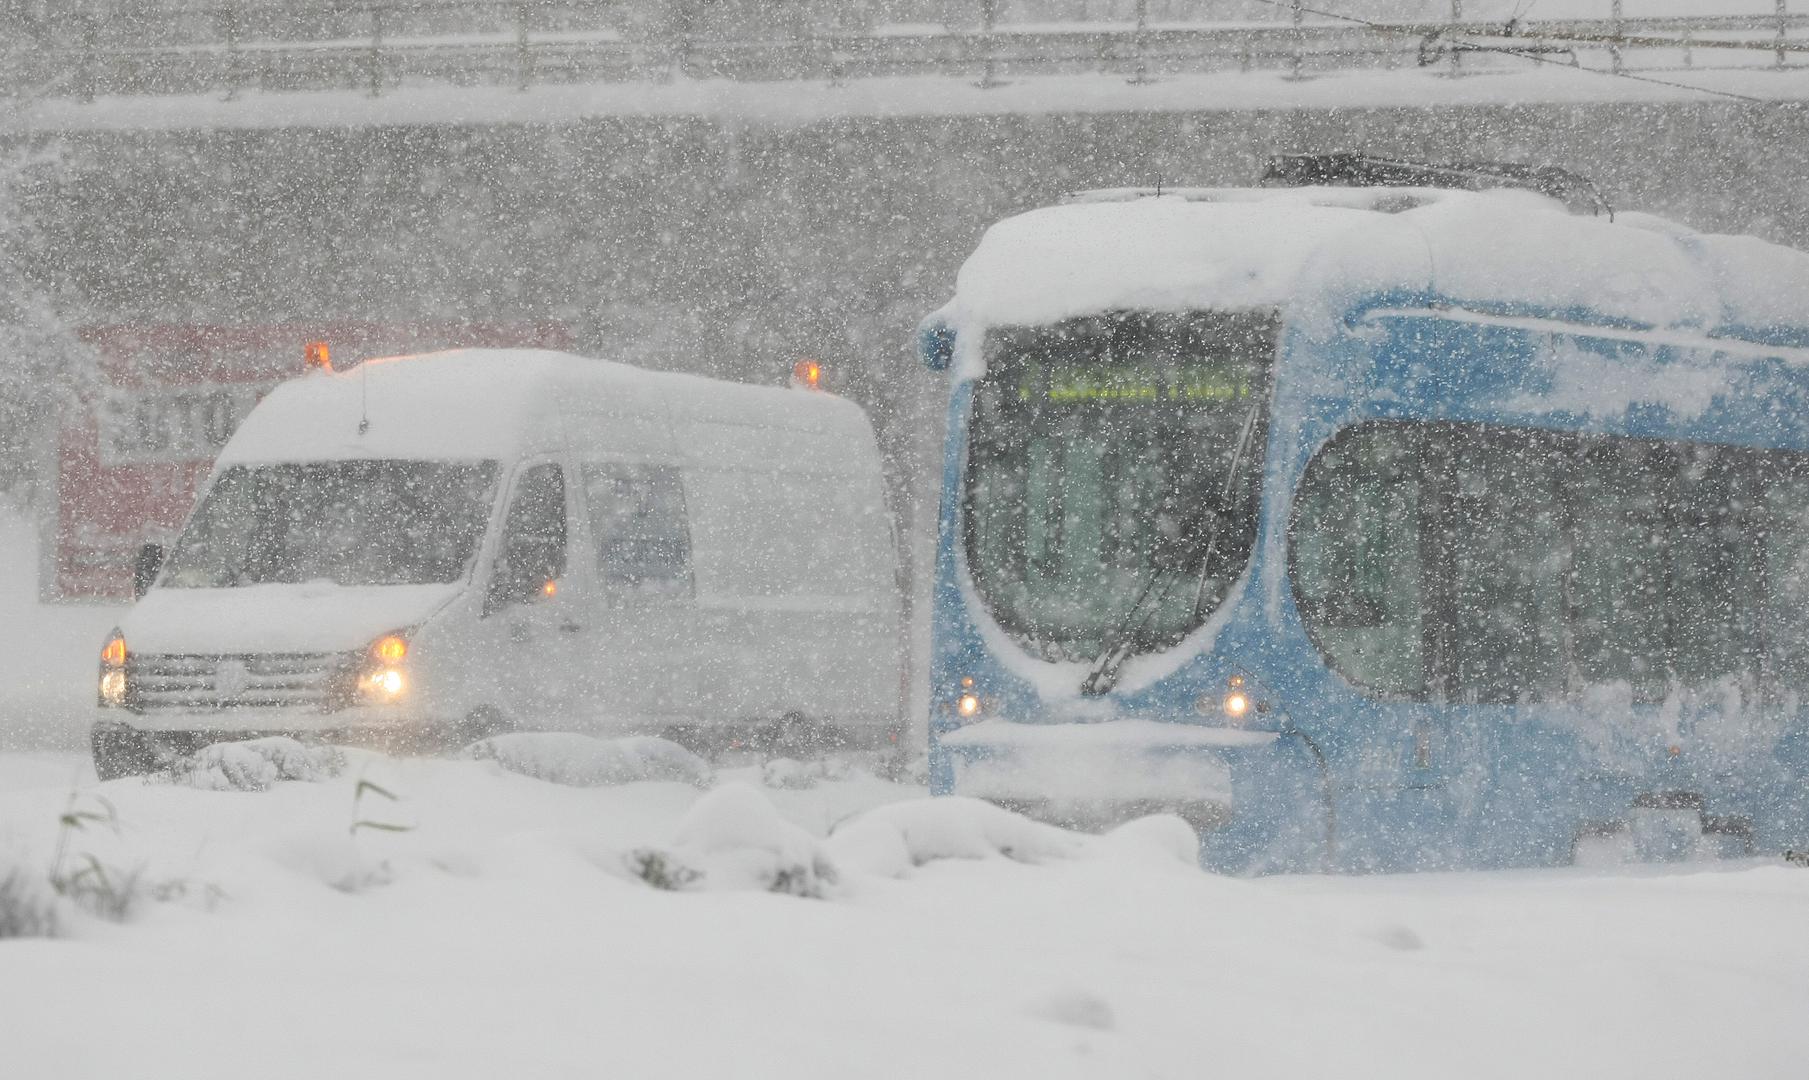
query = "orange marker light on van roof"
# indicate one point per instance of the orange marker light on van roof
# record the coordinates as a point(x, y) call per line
point(807, 374)
point(316, 356)
point(551, 588)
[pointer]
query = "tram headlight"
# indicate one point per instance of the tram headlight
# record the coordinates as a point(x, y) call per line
point(1236, 705)
point(967, 703)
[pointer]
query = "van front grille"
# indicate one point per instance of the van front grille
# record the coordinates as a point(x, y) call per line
point(320, 681)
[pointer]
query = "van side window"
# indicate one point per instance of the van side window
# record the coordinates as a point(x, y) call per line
point(532, 551)
point(637, 514)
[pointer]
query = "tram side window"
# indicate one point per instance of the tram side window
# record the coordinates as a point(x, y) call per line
point(1717, 579)
point(1786, 575)
point(1620, 582)
point(1531, 564)
point(1502, 553)
point(1357, 558)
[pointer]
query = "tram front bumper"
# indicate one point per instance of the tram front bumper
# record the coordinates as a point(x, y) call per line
point(1096, 775)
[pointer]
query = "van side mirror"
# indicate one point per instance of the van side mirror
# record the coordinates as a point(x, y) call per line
point(145, 567)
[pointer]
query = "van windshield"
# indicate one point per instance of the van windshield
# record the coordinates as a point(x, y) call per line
point(350, 522)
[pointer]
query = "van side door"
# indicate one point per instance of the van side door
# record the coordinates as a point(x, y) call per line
point(532, 606)
point(644, 651)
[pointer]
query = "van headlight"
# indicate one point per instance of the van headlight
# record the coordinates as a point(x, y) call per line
point(383, 676)
point(113, 671)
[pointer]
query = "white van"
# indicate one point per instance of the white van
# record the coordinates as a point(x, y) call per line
point(428, 549)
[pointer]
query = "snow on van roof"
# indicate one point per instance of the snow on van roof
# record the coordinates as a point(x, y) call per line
point(494, 403)
point(1326, 247)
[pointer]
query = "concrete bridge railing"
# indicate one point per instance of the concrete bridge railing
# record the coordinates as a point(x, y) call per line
point(380, 45)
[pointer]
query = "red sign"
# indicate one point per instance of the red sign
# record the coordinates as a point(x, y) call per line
point(169, 398)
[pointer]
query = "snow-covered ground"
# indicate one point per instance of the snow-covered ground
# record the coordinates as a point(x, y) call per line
point(512, 931)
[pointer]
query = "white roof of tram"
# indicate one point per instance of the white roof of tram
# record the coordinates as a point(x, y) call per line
point(1316, 250)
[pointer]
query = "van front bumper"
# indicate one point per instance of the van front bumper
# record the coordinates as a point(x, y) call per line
point(250, 721)
point(125, 743)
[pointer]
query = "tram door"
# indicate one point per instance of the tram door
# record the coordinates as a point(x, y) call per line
point(1432, 563)
point(1495, 545)
point(1366, 562)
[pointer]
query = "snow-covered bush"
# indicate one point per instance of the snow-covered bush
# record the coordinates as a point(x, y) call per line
point(889, 840)
point(789, 774)
point(28, 906)
point(661, 869)
point(794, 775)
point(583, 761)
point(93, 871)
point(1158, 837)
point(253, 765)
point(734, 837)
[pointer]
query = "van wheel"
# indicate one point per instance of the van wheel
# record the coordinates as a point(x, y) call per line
point(693, 738)
point(119, 753)
point(482, 723)
point(795, 735)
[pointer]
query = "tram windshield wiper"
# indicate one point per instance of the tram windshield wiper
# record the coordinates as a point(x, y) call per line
point(1171, 563)
point(1120, 644)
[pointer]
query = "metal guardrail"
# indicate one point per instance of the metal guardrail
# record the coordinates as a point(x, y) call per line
point(383, 45)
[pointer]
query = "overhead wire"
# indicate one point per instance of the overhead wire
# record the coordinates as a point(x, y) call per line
point(1471, 46)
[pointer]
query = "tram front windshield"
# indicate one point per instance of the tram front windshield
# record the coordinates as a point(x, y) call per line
point(1112, 475)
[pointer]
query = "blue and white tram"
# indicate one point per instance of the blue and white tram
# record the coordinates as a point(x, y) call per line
point(1377, 527)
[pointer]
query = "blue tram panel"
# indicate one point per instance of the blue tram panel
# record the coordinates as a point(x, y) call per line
point(1377, 528)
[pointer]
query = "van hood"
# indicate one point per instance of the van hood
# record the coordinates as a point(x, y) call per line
point(316, 616)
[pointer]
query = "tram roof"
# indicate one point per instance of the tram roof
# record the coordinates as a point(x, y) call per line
point(1317, 251)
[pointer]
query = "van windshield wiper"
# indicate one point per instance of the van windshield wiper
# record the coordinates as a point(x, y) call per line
point(1124, 640)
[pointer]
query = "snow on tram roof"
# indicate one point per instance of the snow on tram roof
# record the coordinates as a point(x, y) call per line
point(496, 403)
point(1312, 251)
